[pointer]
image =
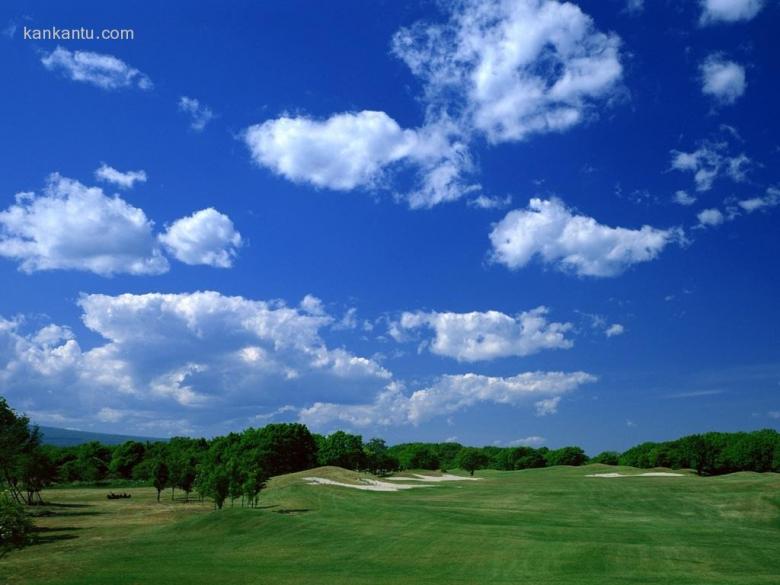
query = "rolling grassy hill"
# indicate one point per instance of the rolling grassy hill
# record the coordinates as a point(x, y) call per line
point(544, 526)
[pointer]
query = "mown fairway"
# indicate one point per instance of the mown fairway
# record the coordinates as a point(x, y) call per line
point(537, 526)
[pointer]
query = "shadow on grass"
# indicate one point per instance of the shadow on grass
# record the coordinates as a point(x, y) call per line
point(293, 511)
point(54, 505)
point(58, 514)
point(45, 535)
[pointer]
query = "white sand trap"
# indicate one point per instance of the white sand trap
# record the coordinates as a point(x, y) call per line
point(369, 485)
point(647, 474)
point(435, 478)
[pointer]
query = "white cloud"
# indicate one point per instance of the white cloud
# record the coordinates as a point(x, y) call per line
point(709, 162)
point(715, 11)
point(205, 237)
point(343, 152)
point(200, 114)
point(104, 71)
point(684, 198)
point(506, 69)
point(722, 79)
point(710, 217)
point(199, 357)
point(635, 6)
point(488, 335)
point(124, 180)
point(348, 321)
point(312, 305)
point(614, 330)
point(532, 441)
point(71, 226)
point(485, 202)
point(447, 395)
point(510, 69)
point(771, 199)
point(357, 150)
point(547, 406)
point(575, 243)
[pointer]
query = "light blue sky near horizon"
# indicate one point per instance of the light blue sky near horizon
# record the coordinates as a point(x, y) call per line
point(699, 348)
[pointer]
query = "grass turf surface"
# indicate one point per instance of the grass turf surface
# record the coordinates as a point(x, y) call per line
point(545, 526)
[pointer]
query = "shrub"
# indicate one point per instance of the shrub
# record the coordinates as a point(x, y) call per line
point(15, 524)
point(607, 458)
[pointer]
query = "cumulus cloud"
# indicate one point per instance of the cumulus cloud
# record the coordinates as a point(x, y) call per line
point(684, 198)
point(488, 335)
point(191, 356)
point(503, 69)
point(720, 11)
point(354, 150)
point(72, 226)
point(771, 199)
point(205, 237)
point(736, 208)
point(447, 395)
point(549, 230)
point(709, 162)
point(124, 180)
point(710, 218)
point(547, 406)
point(722, 79)
point(614, 330)
point(200, 114)
point(342, 152)
point(511, 69)
point(104, 71)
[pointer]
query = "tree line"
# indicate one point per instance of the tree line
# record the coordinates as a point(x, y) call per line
point(236, 466)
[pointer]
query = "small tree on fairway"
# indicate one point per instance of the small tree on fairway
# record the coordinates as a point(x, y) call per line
point(253, 485)
point(472, 459)
point(220, 487)
point(160, 474)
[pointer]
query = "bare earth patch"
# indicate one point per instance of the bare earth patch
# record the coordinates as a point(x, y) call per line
point(434, 478)
point(370, 485)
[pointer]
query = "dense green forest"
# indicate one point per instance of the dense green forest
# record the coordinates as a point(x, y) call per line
point(236, 466)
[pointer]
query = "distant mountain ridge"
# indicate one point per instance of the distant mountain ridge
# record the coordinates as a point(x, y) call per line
point(69, 438)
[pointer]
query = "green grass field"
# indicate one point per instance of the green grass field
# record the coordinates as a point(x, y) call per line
point(546, 526)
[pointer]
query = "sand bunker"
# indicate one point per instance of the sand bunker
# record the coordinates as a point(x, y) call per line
point(369, 485)
point(434, 478)
point(647, 474)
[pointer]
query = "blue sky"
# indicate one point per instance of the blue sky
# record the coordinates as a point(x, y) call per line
point(498, 222)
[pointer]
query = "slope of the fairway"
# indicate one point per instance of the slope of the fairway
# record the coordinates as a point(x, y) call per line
point(538, 526)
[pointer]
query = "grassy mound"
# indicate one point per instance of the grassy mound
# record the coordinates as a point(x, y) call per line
point(539, 526)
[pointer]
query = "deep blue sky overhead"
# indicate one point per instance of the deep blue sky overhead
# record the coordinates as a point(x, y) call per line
point(493, 222)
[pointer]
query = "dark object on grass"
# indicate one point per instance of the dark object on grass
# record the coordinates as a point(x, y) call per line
point(123, 495)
